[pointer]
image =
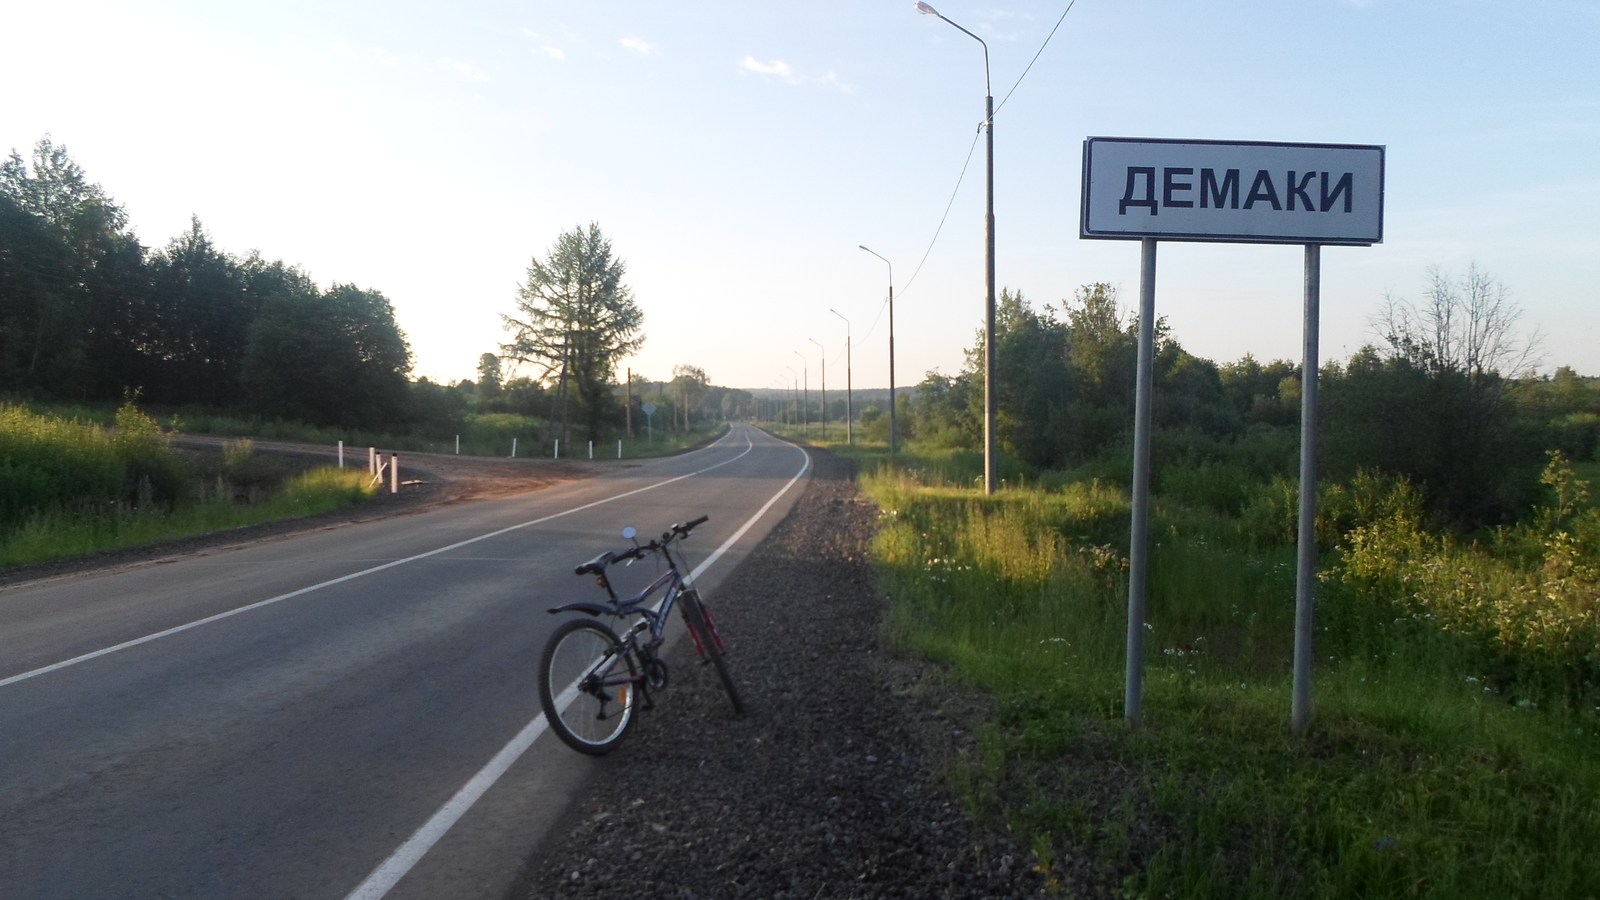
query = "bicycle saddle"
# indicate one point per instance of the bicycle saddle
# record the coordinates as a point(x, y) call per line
point(596, 566)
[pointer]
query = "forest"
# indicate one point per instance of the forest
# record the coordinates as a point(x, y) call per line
point(246, 344)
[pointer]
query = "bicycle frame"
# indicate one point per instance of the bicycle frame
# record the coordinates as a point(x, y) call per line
point(654, 620)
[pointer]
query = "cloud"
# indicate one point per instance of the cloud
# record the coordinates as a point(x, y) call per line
point(638, 45)
point(555, 52)
point(777, 67)
point(465, 68)
point(834, 81)
point(780, 69)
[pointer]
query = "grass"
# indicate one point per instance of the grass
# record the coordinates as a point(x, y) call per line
point(1422, 776)
point(56, 534)
point(70, 486)
point(481, 434)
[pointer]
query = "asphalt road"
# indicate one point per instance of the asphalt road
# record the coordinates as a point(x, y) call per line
point(335, 714)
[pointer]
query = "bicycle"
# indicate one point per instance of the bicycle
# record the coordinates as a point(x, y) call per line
point(591, 682)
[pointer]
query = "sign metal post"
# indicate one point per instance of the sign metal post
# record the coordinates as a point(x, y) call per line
point(1308, 194)
point(1139, 540)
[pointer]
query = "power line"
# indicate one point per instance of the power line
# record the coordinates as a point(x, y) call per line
point(1036, 55)
point(964, 166)
point(907, 286)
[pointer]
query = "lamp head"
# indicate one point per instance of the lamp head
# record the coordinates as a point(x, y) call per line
point(927, 10)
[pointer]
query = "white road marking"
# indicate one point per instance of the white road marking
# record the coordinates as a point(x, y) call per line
point(177, 629)
point(387, 875)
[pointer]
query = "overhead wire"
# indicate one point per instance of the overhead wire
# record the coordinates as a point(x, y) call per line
point(965, 165)
point(1035, 59)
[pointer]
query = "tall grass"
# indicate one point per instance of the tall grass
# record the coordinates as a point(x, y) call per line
point(55, 533)
point(49, 462)
point(480, 434)
point(70, 486)
point(1422, 777)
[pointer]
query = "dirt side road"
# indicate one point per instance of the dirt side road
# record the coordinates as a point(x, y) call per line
point(829, 787)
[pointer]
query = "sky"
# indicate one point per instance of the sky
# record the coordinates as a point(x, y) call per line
point(737, 153)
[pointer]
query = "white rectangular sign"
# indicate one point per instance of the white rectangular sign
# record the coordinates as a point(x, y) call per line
point(1233, 191)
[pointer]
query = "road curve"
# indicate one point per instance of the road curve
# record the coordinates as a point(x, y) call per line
point(334, 714)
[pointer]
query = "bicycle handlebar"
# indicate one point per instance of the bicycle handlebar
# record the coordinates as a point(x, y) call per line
point(682, 529)
point(678, 531)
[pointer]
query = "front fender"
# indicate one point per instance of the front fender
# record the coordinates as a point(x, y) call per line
point(593, 609)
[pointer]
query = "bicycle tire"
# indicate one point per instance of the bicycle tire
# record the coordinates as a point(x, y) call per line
point(579, 716)
point(706, 639)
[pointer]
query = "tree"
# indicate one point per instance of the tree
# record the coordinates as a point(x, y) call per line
point(688, 387)
point(575, 320)
point(71, 277)
point(337, 358)
point(198, 322)
point(488, 375)
point(1434, 403)
point(1465, 325)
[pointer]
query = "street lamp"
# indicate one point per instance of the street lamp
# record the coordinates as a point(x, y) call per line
point(891, 342)
point(991, 474)
point(805, 379)
point(849, 395)
point(794, 395)
point(822, 354)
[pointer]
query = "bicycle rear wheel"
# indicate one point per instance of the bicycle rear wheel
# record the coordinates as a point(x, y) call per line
point(589, 715)
point(709, 643)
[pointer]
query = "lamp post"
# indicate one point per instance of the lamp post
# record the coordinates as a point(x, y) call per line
point(849, 389)
point(822, 354)
point(990, 460)
point(891, 344)
point(805, 402)
point(794, 395)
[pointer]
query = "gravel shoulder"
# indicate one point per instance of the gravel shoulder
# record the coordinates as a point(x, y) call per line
point(831, 786)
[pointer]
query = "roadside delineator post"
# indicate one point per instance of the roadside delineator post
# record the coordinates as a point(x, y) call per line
point(341, 454)
point(372, 460)
point(591, 449)
point(394, 473)
point(619, 449)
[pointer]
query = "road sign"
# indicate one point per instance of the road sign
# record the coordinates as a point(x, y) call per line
point(1233, 191)
point(648, 409)
point(1154, 189)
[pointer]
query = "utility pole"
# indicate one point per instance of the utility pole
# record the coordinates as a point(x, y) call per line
point(849, 389)
point(823, 353)
point(629, 404)
point(805, 381)
point(891, 347)
point(991, 459)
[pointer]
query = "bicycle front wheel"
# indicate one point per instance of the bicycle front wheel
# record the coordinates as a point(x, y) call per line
point(709, 643)
point(588, 687)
